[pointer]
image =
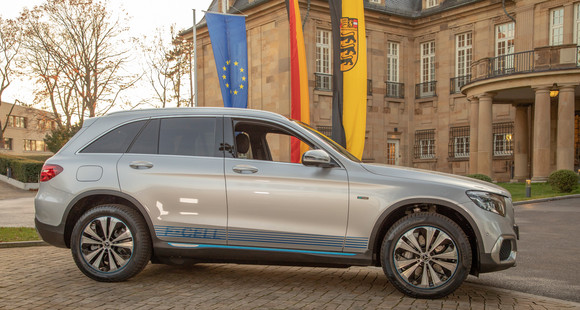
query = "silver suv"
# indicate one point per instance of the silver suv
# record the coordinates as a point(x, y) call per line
point(218, 185)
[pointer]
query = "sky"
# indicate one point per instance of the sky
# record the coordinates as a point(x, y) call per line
point(145, 17)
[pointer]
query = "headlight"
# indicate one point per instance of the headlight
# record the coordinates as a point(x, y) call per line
point(488, 201)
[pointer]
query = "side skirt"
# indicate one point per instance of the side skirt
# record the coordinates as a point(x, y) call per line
point(182, 253)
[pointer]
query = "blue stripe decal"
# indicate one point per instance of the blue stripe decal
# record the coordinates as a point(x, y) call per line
point(255, 236)
point(210, 246)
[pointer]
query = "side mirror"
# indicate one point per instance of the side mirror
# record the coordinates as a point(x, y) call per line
point(318, 158)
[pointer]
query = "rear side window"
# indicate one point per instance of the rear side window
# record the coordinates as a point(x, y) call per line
point(117, 140)
point(188, 136)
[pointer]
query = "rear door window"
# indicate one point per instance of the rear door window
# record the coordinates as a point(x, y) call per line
point(189, 136)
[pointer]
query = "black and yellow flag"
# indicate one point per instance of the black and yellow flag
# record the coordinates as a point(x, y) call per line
point(349, 102)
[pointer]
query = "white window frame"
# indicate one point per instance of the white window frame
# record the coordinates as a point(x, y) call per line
point(501, 144)
point(324, 56)
point(427, 68)
point(463, 54)
point(393, 49)
point(504, 45)
point(427, 145)
point(431, 3)
point(557, 26)
point(577, 24)
point(461, 146)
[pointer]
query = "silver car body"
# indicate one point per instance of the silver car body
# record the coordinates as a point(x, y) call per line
point(201, 206)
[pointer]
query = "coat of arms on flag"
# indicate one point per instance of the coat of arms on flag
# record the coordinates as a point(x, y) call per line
point(348, 43)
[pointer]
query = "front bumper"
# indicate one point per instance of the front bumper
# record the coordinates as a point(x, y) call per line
point(53, 235)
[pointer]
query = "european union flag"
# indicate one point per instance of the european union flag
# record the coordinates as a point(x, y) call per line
point(230, 49)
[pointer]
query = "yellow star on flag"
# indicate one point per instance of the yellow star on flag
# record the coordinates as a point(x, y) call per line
point(224, 76)
point(224, 68)
point(227, 85)
point(235, 63)
point(243, 78)
point(241, 86)
point(228, 62)
point(241, 69)
point(235, 92)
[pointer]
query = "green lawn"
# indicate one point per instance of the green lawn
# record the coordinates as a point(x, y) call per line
point(15, 234)
point(539, 190)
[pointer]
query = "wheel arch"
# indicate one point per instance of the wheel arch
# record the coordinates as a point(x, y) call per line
point(449, 209)
point(91, 199)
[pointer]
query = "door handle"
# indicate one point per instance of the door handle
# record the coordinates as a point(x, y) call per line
point(245, 169)
point(141, 165)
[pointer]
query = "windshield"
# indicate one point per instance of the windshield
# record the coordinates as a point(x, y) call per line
point(337, 147)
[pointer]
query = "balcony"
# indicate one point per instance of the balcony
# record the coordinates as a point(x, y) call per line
point(323, 81)
point(458, 82)
point(426, 90)
point(395, 90)
point(540, 59)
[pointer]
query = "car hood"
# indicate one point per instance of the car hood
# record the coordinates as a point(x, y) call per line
point(435, 177)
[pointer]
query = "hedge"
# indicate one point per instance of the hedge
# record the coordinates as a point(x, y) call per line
point(23, 170)
point(563, 181)
point(481, 177)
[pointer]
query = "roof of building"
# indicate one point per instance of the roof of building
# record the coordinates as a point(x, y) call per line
point(404, 8)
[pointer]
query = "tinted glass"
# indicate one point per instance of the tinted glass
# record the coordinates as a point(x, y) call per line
point(188, 136)
point(117, 140)
point(148, 140)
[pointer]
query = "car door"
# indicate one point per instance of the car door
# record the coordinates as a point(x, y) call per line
point(175, 170)
point(274, 203)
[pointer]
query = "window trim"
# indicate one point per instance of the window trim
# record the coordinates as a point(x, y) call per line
point(322, 51)
point(467, 48)
point(425, 139)
point(557, 27)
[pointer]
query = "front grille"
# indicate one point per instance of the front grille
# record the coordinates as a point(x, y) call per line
point(506, 250)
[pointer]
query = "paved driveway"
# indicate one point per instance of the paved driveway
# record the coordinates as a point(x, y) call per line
point(548, 251)
point(47, 278)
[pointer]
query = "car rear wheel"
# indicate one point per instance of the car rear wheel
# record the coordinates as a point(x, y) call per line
point(426, 255)
point(111, 243)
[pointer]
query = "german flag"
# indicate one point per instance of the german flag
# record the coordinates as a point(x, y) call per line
point(299, 76)
point(349, 79)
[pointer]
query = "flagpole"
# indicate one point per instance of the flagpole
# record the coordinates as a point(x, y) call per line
point(194, 61)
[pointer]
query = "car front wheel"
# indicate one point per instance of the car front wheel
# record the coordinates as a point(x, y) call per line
point(111, 243)
point(426, 255)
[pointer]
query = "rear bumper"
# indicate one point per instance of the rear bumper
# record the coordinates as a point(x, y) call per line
point(53, 235)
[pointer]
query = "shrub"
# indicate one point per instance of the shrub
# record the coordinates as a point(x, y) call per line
point(563, 181)
point(58, 137)
point(479, 176)
point(23, 170)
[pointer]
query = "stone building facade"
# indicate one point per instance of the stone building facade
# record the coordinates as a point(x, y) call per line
point(26, 128)
point(458, 86)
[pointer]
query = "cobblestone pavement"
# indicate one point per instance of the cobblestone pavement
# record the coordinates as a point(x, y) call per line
point(47, 278)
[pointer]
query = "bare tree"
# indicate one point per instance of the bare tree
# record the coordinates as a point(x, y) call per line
point(167, 67)
point(10, 36)
point(75, 52)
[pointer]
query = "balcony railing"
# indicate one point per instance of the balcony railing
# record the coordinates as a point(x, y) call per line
point(426, 90)
point(323, 81)
point(540, 59)
point(458, 82)
point(395, 90)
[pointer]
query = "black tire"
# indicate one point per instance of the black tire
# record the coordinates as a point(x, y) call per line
point(426, 255)
point(111, 243)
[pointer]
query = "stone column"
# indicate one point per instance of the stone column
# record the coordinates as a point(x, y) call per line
point(565, 140)
point(473, 129)
point(541, 153)
point(485, 136)
point(521, 143)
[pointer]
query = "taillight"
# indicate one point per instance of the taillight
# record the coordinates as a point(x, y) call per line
point(49, 171)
